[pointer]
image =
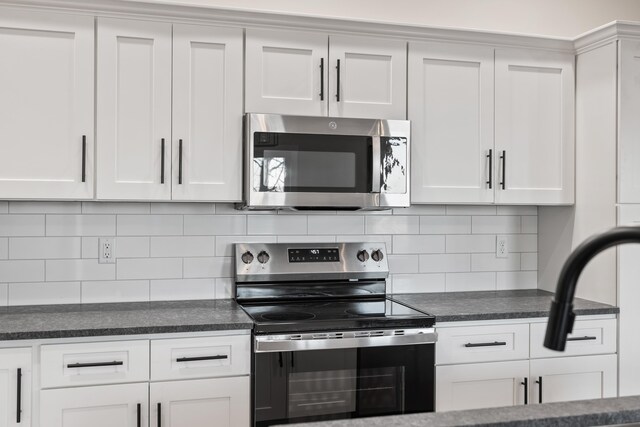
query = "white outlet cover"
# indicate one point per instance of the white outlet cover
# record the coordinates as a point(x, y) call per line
point(502, 247)
point(107, 250)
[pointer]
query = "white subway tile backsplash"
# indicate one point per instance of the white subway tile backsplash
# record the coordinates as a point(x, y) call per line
point(44, 207)
point(529, 261)
point(81, 225)
point(418, 244)
point(44, 293)
point(471, 243)
point(522, 242)
point(211, 225)
point(444, 263)
point(530, 224)
point(370, 238)
point(276, 224)
point(90, 247)
point(65, 270)
point(132, 247)
point(489, 262)
point(4, 207)
point(183, 208)
point(224, 288)
point(394, 224)
point(461, 282)
point(225, 244)
point(517, 280)
point(149, 268)
point(115, 208)
point(22, 271)
point(445, 225)
point(208, 267)
point(517, 210)
point(115, 291)
point(421, 210)
point(403, 264)
point(495, 224)
point(416, 283)
point(22, 225)
point(150, 225)
point(470, 210)
point(4, 294)
point(305, 239)
point(4, 248)
point(183, 246)
point(44, 247)
point(335, 224)
point(179, 289)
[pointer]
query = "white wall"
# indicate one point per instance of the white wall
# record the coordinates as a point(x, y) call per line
point(561, 18)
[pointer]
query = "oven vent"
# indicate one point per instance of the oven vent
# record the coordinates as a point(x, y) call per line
point(399, 332)
point(376, 333)
point(336, 335)
point(362, 334)
point(320, 336)
point(295, 337)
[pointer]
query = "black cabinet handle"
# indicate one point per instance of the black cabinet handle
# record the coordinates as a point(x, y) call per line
point(162, 161)
point(490, 157)
point(338, 81)
point(19, 396)
point(96, 364)
point(485, 344)
point(139, 415)
point(179, 161)
point(84, 158)
point(159, 414)
point(195, 359)
point(503, 157)
point(539, 382)
point(525, 383)
point(585, 338)
point(321, 79)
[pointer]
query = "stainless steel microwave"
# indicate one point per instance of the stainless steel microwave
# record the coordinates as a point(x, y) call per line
point(300, 162)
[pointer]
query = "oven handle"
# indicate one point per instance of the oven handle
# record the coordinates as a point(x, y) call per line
point(271, 344)
point(376, 167)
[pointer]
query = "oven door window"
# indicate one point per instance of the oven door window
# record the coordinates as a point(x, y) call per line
point(290, 163)
point(347, 383)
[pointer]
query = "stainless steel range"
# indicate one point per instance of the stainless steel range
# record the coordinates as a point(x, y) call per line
point(328, 343)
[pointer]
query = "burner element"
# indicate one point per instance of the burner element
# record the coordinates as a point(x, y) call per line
point(288, 316)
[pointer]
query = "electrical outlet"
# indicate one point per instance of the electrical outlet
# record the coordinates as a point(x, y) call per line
point(502, 249)
point(106, 250)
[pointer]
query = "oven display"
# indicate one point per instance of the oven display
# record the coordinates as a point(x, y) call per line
point(314, 255)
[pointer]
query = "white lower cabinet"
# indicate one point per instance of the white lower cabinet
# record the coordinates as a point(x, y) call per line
point(15, 387)
point(195, 403)
point(123, 405)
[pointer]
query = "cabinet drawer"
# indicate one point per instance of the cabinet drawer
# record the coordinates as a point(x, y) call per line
point(65, 365)
point(588, 337)
point(470, 344)
point(200, 357)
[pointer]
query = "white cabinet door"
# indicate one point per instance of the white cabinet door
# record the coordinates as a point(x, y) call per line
point(480, 385)
point(573, 378)
point(207, 113)
point(134, 110)
point(450, 101)
point(15, 387)
point(46, 105)
point(286, 72)
point(367, 78)
point(534, 127)
point(102, 406)
point(629, 125)
point(224, 402)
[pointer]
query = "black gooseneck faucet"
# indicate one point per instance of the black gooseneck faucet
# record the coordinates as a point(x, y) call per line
point(561, 317)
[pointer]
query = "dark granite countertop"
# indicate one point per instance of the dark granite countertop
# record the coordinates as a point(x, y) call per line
point(491, 305)
point(597, 412)
point(84, 320)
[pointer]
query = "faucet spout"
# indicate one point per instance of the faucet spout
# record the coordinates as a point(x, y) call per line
point(561, 317)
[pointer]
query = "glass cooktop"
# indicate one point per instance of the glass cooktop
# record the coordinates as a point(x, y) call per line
point(334, 315)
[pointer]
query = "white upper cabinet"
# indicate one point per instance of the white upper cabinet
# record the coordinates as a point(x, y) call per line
point(46, 105)
point(134, 110)
point(313, 74)
point(207, 113)
point(450, 101)
point(629, 125)
point(534, 127)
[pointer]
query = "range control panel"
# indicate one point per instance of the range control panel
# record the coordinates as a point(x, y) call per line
point(314, 255)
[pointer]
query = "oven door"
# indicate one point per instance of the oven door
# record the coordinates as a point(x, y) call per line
point(301, 386)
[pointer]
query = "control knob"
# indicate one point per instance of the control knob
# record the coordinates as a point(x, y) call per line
point(377, 255)
point(362, 255)
point(263, 257)
point(247, 257)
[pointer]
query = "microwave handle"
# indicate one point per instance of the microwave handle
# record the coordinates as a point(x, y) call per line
point(376, 167)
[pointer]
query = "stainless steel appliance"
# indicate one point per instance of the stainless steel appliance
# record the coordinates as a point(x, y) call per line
point(328, 343)
point(299, 162)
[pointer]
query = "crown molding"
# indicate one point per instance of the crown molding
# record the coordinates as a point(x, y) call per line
point(606, 34)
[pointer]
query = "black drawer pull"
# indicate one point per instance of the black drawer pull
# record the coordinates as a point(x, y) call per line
point(539, 389)
point(179, 161)
point(196, 359)
point(162, 161)
point(321, 79)
point(490, 157)
point(159, 414)
point(503, 157)
point(84, 158)
point(338, 81)
point(93, 365)
point(139, 415)
point(525, 383)
point(19, 396)
point(585, 338)
point(485, 344)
